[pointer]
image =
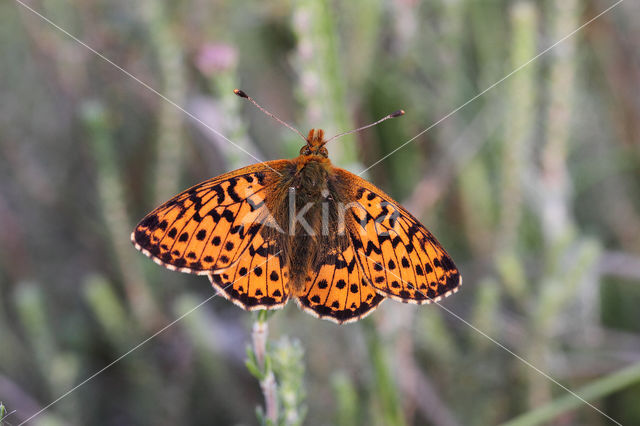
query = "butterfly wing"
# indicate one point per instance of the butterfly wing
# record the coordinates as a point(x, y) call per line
point(402, 259)
point(204, 227)
point(214, 228)
point(259, 279)
point(338, 289)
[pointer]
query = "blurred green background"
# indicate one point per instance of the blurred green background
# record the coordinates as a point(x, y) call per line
point(532, 188)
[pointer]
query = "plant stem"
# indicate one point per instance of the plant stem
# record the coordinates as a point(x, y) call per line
point(268, 381)
point(388, 399)
point(517, 140)
point(595, 390)
point(270, 391)
point(111, 194)
point(156, 16)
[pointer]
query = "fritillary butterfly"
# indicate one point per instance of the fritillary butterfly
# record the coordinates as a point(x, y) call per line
point(299, 229)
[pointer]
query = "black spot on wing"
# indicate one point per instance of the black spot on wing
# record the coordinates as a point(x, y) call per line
point(142, 238)
point(150, 222)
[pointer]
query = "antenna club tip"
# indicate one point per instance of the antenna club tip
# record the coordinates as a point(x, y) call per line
point(240, 93)
point(398, 113)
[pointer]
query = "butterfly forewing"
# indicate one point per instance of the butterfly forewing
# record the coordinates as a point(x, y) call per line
point(402, 258)
point(209, 226)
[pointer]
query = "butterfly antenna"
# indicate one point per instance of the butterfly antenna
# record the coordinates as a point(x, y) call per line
point(398, 113)
point(244, 95)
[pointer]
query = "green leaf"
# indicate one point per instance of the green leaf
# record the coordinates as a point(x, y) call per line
point(254, 370)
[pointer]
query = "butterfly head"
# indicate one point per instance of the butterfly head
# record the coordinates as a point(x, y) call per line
point(315, 144)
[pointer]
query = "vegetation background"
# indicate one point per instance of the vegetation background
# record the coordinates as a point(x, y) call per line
point(533, 187)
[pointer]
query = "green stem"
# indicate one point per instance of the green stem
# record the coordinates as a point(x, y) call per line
point(593, 391)
point(3, 412)
point(346, 396)
point(318, 64)
point(111, 193)
point(156, 16)
point(517, 140)
point(388, 399)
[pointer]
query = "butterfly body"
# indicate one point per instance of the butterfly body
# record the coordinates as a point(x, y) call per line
point(308, 189)
point(300, 229)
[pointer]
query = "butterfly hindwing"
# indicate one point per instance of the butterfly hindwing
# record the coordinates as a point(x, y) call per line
point(337, 288)
point(208, 226)
point(258, 279)
point(402, 258)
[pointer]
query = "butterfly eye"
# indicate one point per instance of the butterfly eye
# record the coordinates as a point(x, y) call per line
point(305, 150)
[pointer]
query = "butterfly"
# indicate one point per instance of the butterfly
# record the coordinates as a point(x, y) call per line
point(299, 229)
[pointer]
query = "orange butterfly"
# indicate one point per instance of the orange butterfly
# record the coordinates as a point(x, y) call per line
point(300, 229)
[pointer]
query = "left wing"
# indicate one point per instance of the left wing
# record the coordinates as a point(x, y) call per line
point(209, 226)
